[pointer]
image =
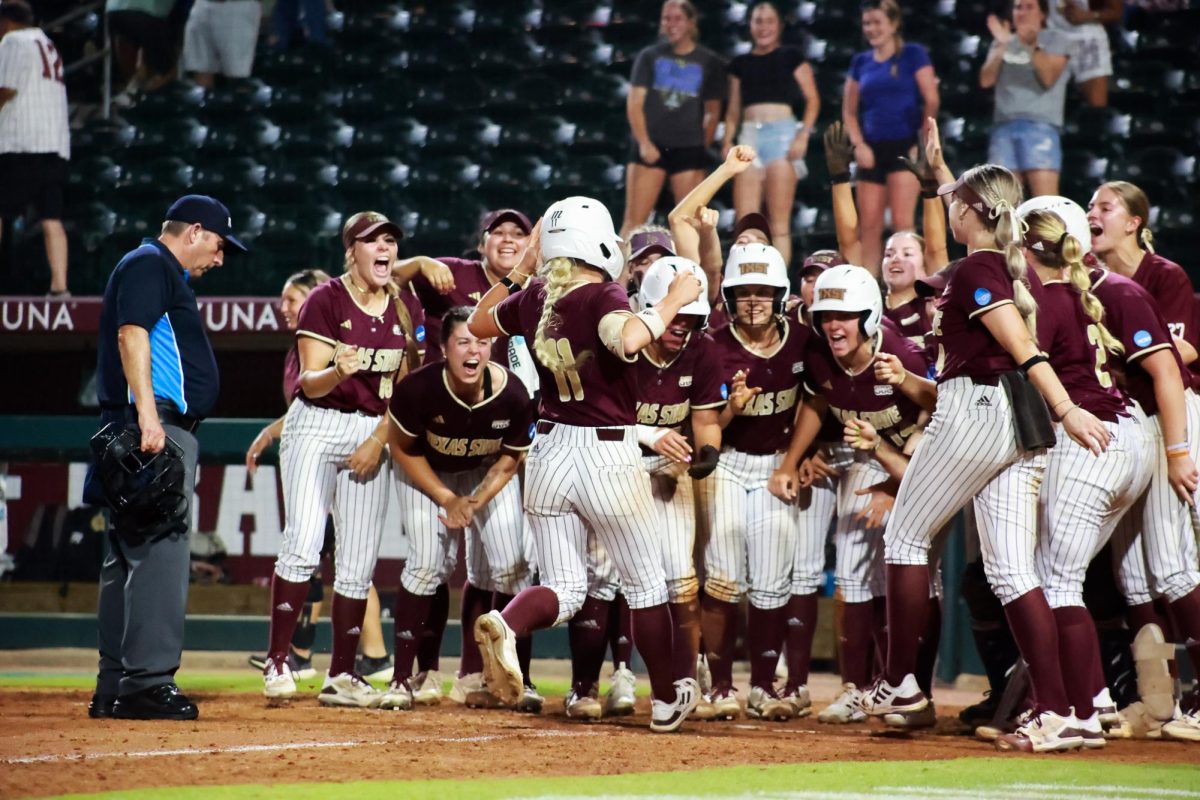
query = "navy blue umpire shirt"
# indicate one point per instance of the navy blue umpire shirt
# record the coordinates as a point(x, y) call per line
point(149, 288)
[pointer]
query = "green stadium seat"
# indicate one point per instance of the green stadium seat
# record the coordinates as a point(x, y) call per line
point(238, 135)
point(450, 174)
point(368, 103)
point(289, 178)
point(319, 136)
point(536, 134)
point(102, 137)
point(177, 97)
point(469, 134)
point(237, 97)
point(392, 138)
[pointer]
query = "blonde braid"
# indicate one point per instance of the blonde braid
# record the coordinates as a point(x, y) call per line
point(558, 273)
point(1009, 234)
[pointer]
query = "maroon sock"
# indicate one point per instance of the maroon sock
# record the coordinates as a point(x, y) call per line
point(588, 634)
point(652, 635)
point(620, 632)
point(1140, 615)
point(1185, 613)
point(879, 634)
point(907, 610)
point(800, 621)
point(287, 601)
point(1033, 628)
point(346, 619)
point(430, 648)
point(685, 617)
point(927, 647)
point(475, 603)
point(500, 602)
point(718, 623)
point(854, 641)
point(533, 609)
point(765, 632)
point(1162, 607)
point(1079, 655)
point(410, 613)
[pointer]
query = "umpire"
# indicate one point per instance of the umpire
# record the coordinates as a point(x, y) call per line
point(156, 371)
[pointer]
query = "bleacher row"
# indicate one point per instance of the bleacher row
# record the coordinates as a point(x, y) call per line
point(433, 112)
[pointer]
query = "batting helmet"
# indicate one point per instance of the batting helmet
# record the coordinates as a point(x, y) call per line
point(658, 280)
point(755, 265)
point(581, 228)
point(851, 289)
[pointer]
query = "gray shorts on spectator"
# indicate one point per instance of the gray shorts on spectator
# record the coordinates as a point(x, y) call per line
point(220, 37)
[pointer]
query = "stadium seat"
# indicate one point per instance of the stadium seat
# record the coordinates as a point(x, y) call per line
point(164, 178)
point(523, 171)
point(289, 178)
point(445, 175)
point(236, 97)
point(1164, 173)
point(1102, 129)
point(449, 98)
point(101, 137)
point(366, 103)
point(177, 97)
point(92, 177)
point(238, 135)
point(302, 101)
point(320, 136)
point(537, 134)
point(587, 174)
point(180, 136)
point(469, 134)
point(396, 137)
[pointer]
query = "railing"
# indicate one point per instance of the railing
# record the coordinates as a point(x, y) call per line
point(104, 54)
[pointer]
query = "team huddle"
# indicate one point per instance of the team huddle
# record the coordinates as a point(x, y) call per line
point(631, 438)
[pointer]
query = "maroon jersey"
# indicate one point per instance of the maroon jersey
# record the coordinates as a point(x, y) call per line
point(1132, 316)
point(470, 283)
point(417, 313)
point(332, 316)
point(965, 347)
point(765, 424)
point(881, 404)
point(911, 319)
point(668, 392)
point(597, 388)
point(456, 436)
point(291, 374)
point(1071, 340)
point(1169, 285)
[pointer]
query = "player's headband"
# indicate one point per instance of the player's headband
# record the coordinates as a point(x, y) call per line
point(965, 193)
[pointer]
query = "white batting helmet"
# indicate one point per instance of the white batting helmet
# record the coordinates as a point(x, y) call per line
point(1070, 212)
point(657, 281)
point(755, 265)
point(851, 289)
point(581, 228)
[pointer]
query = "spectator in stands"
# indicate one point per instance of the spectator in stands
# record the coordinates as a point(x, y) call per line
point(145, 42)
point(890, 89)
point(285, 21)
point(765, 85)
point(220, 38)
point(1027, 65)
point(1090, 58)
point(673, 108)
point(35, 143)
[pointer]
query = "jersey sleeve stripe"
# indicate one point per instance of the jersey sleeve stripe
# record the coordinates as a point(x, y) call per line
point(318, 337)
point(1146, 351)
point(985, 309)
point(706, 406)
point(496, 321)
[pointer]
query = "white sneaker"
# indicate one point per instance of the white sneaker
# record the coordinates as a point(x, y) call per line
point(585, 707)
point(278, 681)
point(667, 717)
point(845, 709)
point(1044, 732)
point(765, 704)
point(800, 700)
point(348, 689)
point(427, 688)
point(883, 698)
point(1106, 708)
point(725, 704)
point(621, 697)
point(1091, 731)
point(498, 646)
point(398, 696)
point(1184, 726)
point(472, 691)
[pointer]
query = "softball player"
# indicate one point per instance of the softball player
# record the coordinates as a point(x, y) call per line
point(354, 338)
point(984, 325)
point(459, 430)
point(584, 470)
point(1083, 496)
point(751, 533)
point(841, 384)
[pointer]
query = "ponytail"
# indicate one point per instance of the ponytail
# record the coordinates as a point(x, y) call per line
point(1146, 238)
point(1008, 232)
point(558, 273)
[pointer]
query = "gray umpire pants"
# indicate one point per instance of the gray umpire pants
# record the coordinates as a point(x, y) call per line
point(143, 600)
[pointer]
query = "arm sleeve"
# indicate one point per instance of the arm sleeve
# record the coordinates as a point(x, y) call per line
point(714, 78)
point(1054, 42)
point(417, 312)
point(816, 376)
point(317, 316)
point(1176, 301)
point(508, 314)
point(982, 286)
point(918, 56)
point(1141, 328)
point(856, 67)
point(10, 63)
point(735, 67)
point(143, 295)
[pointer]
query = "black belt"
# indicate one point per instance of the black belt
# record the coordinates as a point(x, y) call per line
point(603, 434)
point(985, 380)
point(167, 415)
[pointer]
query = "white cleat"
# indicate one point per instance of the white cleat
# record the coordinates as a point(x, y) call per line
point(1045, 732)
point(278, 682)
point(398, 696)
point(498, 646)
point(667, 717)
point(622, 693)
point(427, 688)
point(348, 690)
point(845, 709)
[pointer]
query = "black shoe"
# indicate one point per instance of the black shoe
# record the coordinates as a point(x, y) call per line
point(164, 701)
point(101, 706)
point(377, 669)
point(981, 713)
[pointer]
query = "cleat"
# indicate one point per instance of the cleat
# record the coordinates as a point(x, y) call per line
point(498, 646)
point(1043, 732)
point(725, 704)
point(883, 698)
point(799, 699)
point(427, 688)
point(348, 690)
point(398, 696)
point(621, 697)
point(278, 681)
point(667, 717)
point(585, 707)
point(765, 704)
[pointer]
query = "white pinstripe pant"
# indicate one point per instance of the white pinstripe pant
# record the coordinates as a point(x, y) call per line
point(1083, 498)
point(751, 532)
point(969, 452)
point(495, 540)
point(675, 507)
point(817, 508)
point(576, 484)
point(313, 451)
point(1154, 545)
point(859, 562)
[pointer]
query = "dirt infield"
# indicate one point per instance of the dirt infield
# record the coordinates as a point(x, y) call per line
point(49, 746)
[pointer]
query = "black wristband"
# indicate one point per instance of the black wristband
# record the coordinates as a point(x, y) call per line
point(1033, 362)
point(841, 177)
point(929, 194)
point(510, 284)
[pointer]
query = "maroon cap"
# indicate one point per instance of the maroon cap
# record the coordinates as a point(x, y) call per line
point(822, 260)
point(935, 284)
point(368, 227)
point(650, 241)
point(493, 218)
point(964, 193)
point(752, 220)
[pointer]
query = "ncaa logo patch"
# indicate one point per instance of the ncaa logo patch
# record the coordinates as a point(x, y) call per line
point(1142, 338)
point(982, 296)
point(797, 367)
point(724, 391)
point(420, 333)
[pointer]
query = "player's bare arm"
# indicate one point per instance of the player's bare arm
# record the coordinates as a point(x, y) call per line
point(839, 152)
point(639, 329)
point(133, 342)
point(861, 435)
point(366, 458)
point(784, 483)
point(1172, 415)
point(687, 241)
point(883, 499)
point(921, 391)
point(934, 221)
point(6, 93)
point(496, 478)
point(706, 432)
point(323, 366)
point(266, 437)
point(434, 271)
point(481, 322)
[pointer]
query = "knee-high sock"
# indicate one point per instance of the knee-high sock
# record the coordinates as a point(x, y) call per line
point(475, 603)
point(718, 622)
point(347, 620)
point(765, 629)
point(1079, 654)
point(410, 614)
point(534, 608)
point(588, 634)
point(879, 635)
point(430, 648)
point(620, 632)
point(907, 611)
point(1033, 628)
point(927, 648)
point(654, 640)
point(685, 617)
point(287, 600)
point(800, 619)
point(1185, 613)
point(854, 640)
point(500, 601)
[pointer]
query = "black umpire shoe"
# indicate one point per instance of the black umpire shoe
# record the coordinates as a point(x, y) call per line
point(164, 701)
point(101, 706)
